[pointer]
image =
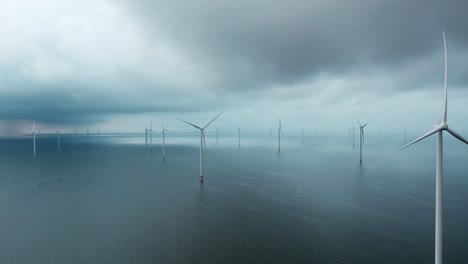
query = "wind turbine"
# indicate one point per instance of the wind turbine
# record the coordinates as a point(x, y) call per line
point(361, 140)
point(238, 129)
point(33, 131)
point(151, 136)
point(216, 135)
point(164, 140)
point(146, 137)
point(279, 135)
point(438, 129)
point(58, 140)
point(74, 135)
point(202, 141)
point(271, 134)
point(87, 131)
point(99, 135)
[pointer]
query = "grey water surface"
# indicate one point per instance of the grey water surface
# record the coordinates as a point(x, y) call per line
point(117, 201)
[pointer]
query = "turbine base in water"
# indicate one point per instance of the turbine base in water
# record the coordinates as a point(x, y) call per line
point(201, 178)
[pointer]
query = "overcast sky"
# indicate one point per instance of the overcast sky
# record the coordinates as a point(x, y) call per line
point(117, 64)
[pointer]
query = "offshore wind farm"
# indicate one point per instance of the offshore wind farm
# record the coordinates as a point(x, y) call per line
point(293, 132)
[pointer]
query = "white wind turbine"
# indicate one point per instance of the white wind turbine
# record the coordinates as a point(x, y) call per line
point(279, 135)
point(146, 137)
point(58, 139)
point(439, 128)
point(361, 139)
point(164, 130)
point(33, 131)
point(202, 141)
point(151, 136)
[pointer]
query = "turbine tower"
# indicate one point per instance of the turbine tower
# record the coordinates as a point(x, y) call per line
point(238, 132)
point(151, 136)
point(164, 130)
point(146, 137)
point(216, 136)
point(202, 141)
point(279, 135)
point(361, 140)
point(33, 131)
point(438, 129)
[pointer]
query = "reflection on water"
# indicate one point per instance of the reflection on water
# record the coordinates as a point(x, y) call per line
point(119, 202)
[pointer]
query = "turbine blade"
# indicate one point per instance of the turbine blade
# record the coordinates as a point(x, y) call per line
point(189, 123)
point(458, 136)
point(359, 123)
point(364, 125)
point(212, 120)
point(444, 117)
point(435, 130)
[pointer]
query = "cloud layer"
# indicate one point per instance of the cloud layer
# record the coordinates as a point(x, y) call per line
point(77, 62)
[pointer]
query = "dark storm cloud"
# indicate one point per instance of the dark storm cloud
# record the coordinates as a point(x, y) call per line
point(84, 61)
point(258, 43)
point(54, 105)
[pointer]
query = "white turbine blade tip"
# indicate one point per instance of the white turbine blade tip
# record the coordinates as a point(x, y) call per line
point(212, 120)
point(189, 123)
point(400, 149)
point(457, 136)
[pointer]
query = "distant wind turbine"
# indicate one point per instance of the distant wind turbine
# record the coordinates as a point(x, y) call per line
point(99, 135)
point(202, 141)
point(146, 137)
point(151, 136)
point(439, 128)
point(33, 131)
point(164, 130)
point(361, 140)
point(279, 135)
point(216, 135)
point(238, 133)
